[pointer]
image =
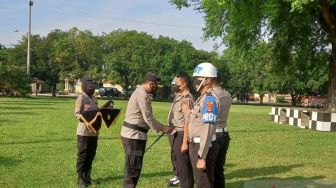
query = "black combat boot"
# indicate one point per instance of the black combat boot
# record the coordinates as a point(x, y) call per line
point(88, 179)
point(81, 181)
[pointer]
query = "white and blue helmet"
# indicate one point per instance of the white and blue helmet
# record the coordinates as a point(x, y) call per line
point(205, 70)
point(173, 81)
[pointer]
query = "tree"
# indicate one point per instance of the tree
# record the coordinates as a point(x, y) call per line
point(304, 28)
point(121, 57)
point(130, 54)
point(173, 57)
point(13, 77)
point(67, 55)
point(3, 58)
point(48, 68)
point(239, 75)
point(42, 67)
point(88, 53)
point(262, 75)
point(127, 57)
point(3, 53)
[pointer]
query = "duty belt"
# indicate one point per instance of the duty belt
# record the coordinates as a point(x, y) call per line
point(220, 130)
point(197, 140)
point(134, 127)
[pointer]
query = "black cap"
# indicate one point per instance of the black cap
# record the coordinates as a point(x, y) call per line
point(152, 77)
point(88, 80)
point(88, 83)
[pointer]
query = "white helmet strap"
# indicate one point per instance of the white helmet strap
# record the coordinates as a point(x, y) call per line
point(199, 87)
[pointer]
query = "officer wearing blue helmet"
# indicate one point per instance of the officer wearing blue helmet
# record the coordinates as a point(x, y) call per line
point(203, 147)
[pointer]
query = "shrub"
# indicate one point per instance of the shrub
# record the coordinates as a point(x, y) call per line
point(280, 99)
point(14, 81)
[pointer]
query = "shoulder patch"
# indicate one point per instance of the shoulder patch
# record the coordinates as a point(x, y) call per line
point(210, 109)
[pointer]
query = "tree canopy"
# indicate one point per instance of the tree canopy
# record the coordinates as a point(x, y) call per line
point(301, 33)
point(120, 57)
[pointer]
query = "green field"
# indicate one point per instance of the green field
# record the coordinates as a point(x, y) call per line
point(38, 147)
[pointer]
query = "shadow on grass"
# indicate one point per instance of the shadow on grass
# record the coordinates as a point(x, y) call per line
point(19, 108)
point(258, 130)
point(109, 179)
point(143, 175)
point(156, 174)
point(230, 165)
point(8, 161)
point(258, 173)
point(8, 122)
point(37, 141)
point(239, 184)
point(22, 113)
point(264, 171)
point(283, 128)
point(34, 102)
point(52, 140)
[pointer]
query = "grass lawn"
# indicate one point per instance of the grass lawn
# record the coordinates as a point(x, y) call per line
point(38, 147)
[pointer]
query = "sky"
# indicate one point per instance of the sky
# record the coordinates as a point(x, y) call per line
point(156, 17)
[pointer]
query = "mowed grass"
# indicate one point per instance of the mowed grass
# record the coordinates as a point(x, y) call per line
point(38, 147)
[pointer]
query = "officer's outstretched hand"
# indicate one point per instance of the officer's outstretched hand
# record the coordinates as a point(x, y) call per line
point(201, 164)
point(184, 148)
point(167, 129)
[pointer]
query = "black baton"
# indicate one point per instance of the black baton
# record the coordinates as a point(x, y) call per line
point(158, 138)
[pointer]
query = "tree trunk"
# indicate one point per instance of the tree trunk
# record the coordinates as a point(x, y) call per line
point(329, 18)
point(126, 87)
point(261, 99)
point(294, 98)
point(37, 87)
point(332, 81)
point(126, 91)
point(53, 90)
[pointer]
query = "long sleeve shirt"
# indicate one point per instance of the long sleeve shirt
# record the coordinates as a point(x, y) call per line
point(139, 112)
point(225, 101)
point(206, 132)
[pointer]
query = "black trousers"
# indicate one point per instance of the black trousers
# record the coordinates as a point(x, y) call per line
point(204, 178)
point(86, 146)
point(134, 152)
point(172, 158)
point(181, 161)
point(223, 140)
